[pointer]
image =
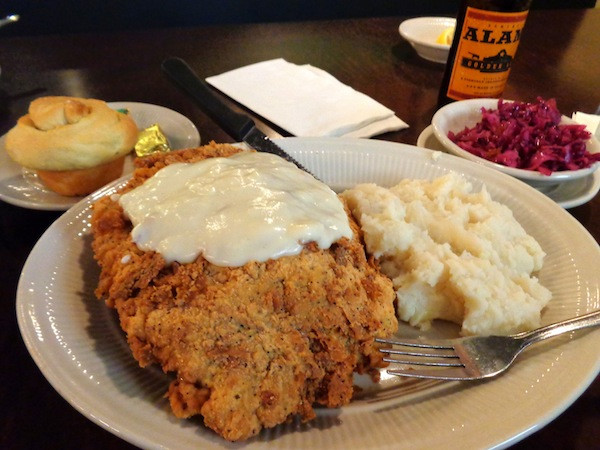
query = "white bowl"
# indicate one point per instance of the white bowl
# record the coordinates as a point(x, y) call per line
point(466, 113)
point(422, 33)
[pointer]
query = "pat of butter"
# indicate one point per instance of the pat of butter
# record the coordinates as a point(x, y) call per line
point(446, 36)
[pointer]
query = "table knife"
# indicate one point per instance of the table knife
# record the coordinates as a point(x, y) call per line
point(239, 126)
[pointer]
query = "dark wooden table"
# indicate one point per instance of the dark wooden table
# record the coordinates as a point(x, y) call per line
point(559, 57)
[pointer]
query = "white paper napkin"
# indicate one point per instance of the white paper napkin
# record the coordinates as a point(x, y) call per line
point(591, 122)
point(305, 100)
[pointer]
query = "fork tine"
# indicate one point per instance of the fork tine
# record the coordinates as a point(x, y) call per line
point(455, 373)
point(442, 357)
point(441, 354)
point(424, 363)
point(421, 358)
point(393, 351)
point(412, 343)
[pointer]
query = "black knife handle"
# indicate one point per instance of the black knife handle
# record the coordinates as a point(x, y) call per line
point(236, 125)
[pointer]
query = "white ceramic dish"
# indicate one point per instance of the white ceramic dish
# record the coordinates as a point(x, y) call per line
point(466, 113)
point(21, 187)
point(78, 345)
point(422, 33)
point(428, 140)
point(567, 194)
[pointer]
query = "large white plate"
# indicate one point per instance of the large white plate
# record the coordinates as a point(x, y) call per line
point(77, 343)
point(21, 187)
point(567, 194)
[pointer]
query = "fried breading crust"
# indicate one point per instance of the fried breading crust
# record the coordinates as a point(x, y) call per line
point(250, 346)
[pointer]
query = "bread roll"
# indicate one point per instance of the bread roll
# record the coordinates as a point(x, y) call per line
point(65, 133)
point(72, 141)
point(81, 181)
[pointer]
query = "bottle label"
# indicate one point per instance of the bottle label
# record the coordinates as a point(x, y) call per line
point(488, 43)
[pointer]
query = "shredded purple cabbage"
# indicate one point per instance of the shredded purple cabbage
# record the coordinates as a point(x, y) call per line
point(527, 136)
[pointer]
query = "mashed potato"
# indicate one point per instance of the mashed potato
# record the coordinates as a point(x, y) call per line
point(453, 254)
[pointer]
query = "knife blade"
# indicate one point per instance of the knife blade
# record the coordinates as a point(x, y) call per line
point(239, 126)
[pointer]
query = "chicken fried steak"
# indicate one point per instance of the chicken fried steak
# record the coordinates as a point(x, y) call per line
point(249, 346)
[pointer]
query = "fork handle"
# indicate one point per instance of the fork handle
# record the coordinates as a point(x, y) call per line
point(587, 320)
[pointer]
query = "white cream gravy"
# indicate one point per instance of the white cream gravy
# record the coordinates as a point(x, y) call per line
point(250, 206)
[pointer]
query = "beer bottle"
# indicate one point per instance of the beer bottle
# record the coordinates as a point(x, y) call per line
point(485, 41)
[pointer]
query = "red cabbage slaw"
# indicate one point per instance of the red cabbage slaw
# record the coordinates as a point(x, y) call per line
point(527, 136)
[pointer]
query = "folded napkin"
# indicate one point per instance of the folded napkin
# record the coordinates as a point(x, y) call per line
point(591, 122)
point(305, 100)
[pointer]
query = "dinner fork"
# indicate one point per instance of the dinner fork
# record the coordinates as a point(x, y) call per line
point(472, 358)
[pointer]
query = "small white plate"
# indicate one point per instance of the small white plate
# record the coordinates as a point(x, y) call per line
point(21, 187)
point(466, 113)
point(567, 194)
point(422, 33)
